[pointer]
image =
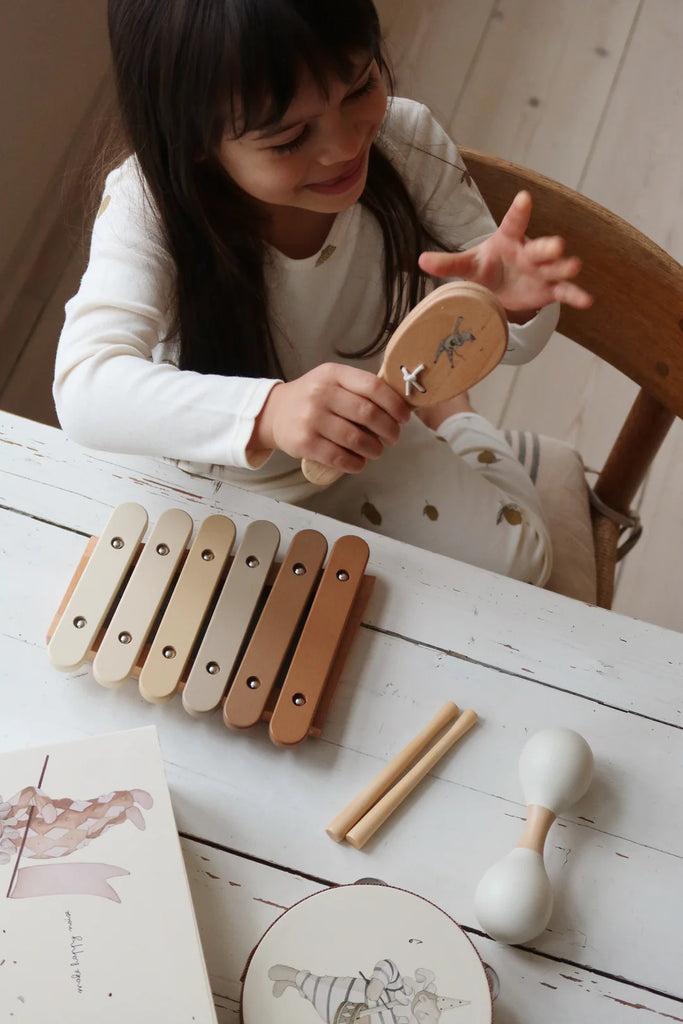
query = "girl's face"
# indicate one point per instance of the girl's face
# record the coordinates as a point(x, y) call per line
point(316, 157)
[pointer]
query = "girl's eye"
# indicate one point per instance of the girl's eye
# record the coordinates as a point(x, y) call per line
point(293, 144)
point(365, 88)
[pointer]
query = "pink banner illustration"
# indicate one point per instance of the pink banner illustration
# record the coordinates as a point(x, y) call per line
point(74, 879)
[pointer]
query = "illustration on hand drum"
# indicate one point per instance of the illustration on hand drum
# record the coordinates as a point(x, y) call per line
point(365, 953)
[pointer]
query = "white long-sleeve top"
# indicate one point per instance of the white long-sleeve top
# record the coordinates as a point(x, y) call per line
point(116, 386)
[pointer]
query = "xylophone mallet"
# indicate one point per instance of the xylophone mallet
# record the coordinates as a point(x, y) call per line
point(514, 899)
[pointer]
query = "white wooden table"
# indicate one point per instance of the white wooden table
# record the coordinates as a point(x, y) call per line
point(252, 816)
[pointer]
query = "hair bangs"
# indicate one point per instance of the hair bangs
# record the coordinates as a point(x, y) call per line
point(272, 43)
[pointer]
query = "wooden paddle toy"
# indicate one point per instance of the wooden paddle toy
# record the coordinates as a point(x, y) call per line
point(451, 340)
point(514, 899)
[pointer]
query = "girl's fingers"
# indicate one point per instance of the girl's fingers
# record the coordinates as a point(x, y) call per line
point(343, 433)
point(516, 220)
point(367, 399)
point(364, 415)
point(331, 454)
point(572, 295)
point(449, 264)
point(540, 250)
point(559, 270)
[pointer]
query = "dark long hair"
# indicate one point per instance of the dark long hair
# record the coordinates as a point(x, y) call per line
point(180, 67)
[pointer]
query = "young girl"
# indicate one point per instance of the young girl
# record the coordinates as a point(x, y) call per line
point(252, 256)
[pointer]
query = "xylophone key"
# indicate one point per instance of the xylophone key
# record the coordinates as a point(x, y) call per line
point(227, 629)
point(182, 620)
point(320, 639)
point(97, 588)
point(142, 598)
point(277, 625)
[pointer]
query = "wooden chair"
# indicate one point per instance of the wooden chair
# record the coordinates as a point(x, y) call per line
point(635, 324)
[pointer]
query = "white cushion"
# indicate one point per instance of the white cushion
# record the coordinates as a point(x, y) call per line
point(558, 472)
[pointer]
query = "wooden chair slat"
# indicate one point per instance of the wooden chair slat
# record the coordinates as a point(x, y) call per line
point(635, 324)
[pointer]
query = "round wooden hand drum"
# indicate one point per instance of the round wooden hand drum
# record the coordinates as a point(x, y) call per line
point(365, 954)
point(451, 340)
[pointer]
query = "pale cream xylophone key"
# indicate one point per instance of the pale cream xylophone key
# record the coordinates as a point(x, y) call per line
point(142, 598)
point(272, 638)
point(97, 588)
point(187, 607)
point(227, 629)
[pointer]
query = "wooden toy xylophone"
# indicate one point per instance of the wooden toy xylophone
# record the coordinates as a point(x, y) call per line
point(260, 639)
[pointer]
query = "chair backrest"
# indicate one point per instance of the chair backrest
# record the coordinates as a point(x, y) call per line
point(636, 320)
point(635, 324)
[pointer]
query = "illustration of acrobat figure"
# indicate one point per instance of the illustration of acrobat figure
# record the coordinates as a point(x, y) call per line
point(58, 827)
point(386, 997)
point(40, 828)
point(453, 341)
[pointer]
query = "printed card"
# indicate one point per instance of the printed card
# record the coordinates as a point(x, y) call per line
point(96, 919)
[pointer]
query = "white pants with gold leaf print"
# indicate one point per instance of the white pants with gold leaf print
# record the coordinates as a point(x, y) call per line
point(460, 492)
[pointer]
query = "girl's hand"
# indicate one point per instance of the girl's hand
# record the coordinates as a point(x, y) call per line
point(524, 273)
point(338, 415)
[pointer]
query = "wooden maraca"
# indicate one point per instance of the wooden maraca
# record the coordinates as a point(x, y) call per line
point(514, 899)
point(451, 340)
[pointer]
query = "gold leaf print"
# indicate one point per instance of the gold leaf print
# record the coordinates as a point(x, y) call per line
point(431, 512)
point(325, 254)
point(487, 457)
point(467, 178)
point(103, 207)
point(371, 514)
point(440, 438)
point(511, 514)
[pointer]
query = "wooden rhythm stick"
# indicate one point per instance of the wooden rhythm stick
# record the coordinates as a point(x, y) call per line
point(359, 821)
point(200, 621)
point(354, 811)
point(451, 340)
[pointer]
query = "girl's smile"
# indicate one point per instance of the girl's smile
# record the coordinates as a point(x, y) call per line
point(346, 180)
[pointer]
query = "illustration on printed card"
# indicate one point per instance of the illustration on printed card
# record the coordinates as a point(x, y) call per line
point(36, 827)
point(384, 996)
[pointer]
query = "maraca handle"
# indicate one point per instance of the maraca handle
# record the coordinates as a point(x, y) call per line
point(538, 822)
point(318, 473)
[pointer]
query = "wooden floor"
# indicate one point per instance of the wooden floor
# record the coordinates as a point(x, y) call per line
point(588, 92)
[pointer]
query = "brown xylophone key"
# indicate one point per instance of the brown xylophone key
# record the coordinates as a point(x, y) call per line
point(314, 656)
point(275, 630)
